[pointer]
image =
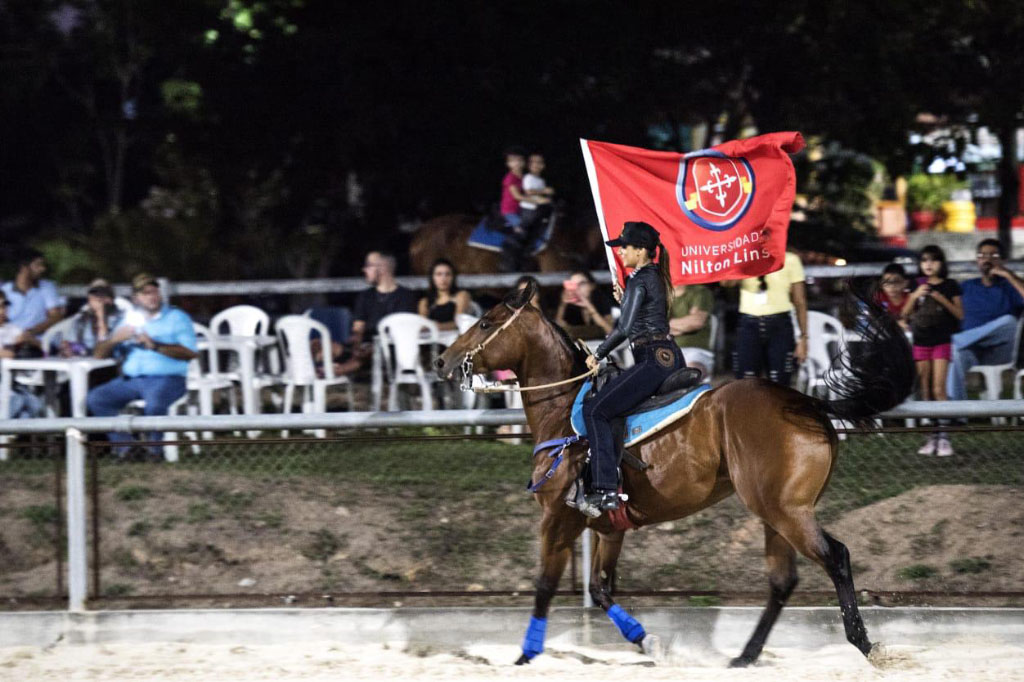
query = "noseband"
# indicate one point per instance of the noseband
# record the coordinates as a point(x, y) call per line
point(466, 366)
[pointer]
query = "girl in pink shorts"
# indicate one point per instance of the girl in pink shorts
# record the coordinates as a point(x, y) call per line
point(934, 310)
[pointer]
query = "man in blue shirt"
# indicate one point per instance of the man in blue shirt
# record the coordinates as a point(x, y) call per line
point(160, 341)
point(992, 305)
point(35, 305)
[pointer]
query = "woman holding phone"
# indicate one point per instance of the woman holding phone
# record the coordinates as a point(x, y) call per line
point(584, 310)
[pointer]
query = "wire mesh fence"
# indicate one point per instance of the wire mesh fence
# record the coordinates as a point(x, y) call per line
point(33, 542)
point(397, 512)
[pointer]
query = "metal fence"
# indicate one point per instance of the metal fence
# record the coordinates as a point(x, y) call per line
point(399, 507)
point(325, 285)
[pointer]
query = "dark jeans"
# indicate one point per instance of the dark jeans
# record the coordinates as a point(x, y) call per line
point(765, 343)
point(159, 392)
point(654, 363)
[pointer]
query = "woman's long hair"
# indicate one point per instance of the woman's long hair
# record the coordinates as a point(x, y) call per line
point(432, 288)
point(665, 272)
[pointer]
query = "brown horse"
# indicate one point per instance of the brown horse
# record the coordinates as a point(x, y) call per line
point(447, 237)
point(771, 445)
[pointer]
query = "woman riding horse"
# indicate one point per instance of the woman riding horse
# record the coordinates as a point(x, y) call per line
point(772, 446)
point(644, 321)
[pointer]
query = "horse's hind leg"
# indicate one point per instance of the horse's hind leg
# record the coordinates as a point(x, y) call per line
point(559, 531)
point(837, 563)
point(810, 540)
point(782, 580)
point(602, 581)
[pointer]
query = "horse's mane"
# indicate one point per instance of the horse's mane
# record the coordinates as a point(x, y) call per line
point(578, 358)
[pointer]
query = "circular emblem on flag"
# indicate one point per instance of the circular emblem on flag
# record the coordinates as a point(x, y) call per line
point(714, 190)
point(664, 357)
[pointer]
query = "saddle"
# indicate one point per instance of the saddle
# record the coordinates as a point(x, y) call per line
point(673, 399)
point(673, 388)
point(493, 234)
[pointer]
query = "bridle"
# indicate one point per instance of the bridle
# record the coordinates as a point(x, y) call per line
point(466, 366)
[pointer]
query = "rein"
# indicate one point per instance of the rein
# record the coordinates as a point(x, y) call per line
point(503, 386)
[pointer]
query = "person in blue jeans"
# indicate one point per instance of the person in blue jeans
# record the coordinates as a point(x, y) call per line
point(160, 341)
point(992, 306)
point(646, 302)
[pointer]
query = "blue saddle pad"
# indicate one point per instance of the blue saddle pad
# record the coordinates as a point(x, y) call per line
point(484, 236)
point(644, 424)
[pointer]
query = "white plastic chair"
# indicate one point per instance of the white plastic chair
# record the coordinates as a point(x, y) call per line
point(247, 320)
point(204, 383)
point(401, 337)
point(52, 336)
point(241, 320)
point(294, 334)
point(824, 336)
point(993, 374)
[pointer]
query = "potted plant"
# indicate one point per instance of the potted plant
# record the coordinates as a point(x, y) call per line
point(926, 193)
point(924, 200)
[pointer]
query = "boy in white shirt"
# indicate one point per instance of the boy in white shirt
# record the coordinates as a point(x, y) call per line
point(537, 206)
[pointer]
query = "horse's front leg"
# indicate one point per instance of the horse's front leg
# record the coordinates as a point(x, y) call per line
point(602, 583)
point(558, 531)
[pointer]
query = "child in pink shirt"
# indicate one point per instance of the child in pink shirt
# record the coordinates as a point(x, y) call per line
point(512, 187)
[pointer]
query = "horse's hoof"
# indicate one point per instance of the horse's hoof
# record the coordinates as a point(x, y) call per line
point(653, 647)
point(741, 662)
point(523, 660)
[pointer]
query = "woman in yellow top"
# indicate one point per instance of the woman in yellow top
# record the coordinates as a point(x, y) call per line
point(765, 341)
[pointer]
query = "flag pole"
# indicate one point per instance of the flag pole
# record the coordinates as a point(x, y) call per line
point(588, 161)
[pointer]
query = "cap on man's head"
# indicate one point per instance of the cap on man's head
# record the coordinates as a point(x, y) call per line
point(143, 280)
point(100, 287)
point(635, 233)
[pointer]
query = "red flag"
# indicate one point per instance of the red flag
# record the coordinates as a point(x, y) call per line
point(722, 213)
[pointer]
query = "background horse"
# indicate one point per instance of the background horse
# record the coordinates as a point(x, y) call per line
point(771, 445)
point(447, 236)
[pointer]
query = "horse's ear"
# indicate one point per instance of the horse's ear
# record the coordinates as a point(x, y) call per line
point(517, 298)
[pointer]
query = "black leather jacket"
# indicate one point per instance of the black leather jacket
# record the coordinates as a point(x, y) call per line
point(644, 311)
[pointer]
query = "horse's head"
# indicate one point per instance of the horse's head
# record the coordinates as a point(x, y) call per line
point(495, 341)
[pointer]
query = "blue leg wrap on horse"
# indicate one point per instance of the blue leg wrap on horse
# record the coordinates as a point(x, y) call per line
point(627, 624)
point(533, 642)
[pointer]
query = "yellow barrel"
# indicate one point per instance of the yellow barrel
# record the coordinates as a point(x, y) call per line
point(959, 216)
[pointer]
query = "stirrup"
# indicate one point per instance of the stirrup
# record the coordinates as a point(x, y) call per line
point(574, 498)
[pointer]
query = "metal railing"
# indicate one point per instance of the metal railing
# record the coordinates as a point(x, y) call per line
point(77, 451)
point(419, 282)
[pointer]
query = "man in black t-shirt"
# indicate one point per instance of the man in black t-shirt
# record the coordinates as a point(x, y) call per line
point(385, 296)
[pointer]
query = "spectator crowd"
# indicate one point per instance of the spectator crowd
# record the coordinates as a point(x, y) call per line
point(953, 326)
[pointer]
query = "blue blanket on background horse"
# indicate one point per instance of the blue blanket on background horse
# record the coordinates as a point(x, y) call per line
point(486, 236)
point(640, 425)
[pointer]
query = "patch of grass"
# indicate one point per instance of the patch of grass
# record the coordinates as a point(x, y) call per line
point(877, 546)
point(123, 559)
point(199, 512)
point(397, 464)
point(170, 522)
point(133, 493)
point(40, 515)
point(917, 572)
point(117, 590)
point(373, 573)
point(139, 529)
point(322, 545)
point(970, 565)
point(270, 519)
point(704, 600)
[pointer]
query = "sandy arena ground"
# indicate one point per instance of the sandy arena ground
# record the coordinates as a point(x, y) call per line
point(333, 661)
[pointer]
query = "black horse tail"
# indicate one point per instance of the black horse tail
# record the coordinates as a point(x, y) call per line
point(874, 374)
